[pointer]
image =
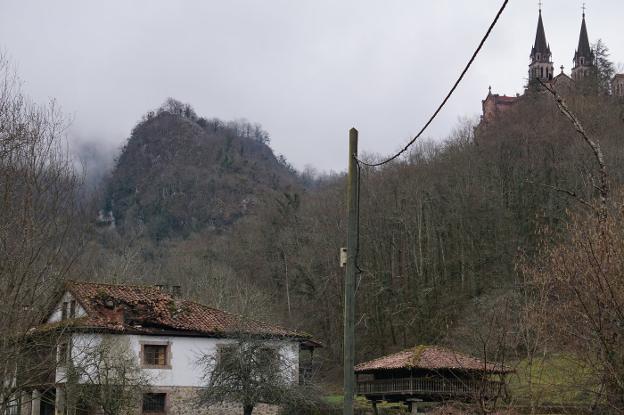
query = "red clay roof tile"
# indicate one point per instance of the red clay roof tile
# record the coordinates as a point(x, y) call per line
point(432, 358)
point(150, 310)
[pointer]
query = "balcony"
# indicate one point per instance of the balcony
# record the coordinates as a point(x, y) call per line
point(431, 387)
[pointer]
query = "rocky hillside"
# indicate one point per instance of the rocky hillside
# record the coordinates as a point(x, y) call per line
point(179, 173)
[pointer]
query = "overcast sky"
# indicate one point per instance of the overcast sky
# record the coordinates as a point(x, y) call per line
point(307, 70)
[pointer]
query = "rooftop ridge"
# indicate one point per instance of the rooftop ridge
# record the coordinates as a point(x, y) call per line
point(430, 357)
point(113, 284)
point(153, 287)
point(195, 316)
point(245, 318)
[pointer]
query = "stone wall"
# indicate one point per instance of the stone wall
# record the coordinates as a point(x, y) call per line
point(181, 401)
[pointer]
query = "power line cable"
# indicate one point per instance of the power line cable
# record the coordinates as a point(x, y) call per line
point(360, 271)
point(359, 162)
point(448, 96)
point(359, 186)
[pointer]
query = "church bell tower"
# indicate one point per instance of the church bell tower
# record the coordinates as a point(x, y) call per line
point(584, 59)
point(541, 66)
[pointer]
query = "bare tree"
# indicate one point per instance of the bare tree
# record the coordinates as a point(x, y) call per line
point(39, 205)
point(106, 376)
point(603, 185)
point(251, 371)
point(582, 275)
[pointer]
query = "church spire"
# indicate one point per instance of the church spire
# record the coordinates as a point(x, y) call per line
point(584, 56)
point(540, 45)
point(541, 66)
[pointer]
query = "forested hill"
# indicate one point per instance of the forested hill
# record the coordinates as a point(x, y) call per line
point(180, 173)
point(442, 230)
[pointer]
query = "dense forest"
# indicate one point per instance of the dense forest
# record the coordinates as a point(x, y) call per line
point(206, 204)
point(458, 238)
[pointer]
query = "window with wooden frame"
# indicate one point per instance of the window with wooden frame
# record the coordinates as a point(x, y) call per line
point(63, 351)
point(155, 355)
point(154, 403)
point(64, 311)
point(72, 309)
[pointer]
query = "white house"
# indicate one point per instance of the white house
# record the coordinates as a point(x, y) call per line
point(166, 335)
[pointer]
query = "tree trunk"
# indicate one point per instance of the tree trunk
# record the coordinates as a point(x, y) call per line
point(247, 409)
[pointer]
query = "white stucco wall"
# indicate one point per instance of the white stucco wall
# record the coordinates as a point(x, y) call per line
point(185, 370)
point(58, 313)
point(80, 343)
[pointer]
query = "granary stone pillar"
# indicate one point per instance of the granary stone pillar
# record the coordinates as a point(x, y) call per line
point(412, 405)
point(35, 403)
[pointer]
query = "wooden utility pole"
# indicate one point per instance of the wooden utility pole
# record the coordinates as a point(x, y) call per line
point(349, 300)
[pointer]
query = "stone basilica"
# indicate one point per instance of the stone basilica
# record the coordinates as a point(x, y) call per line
point(542, 68)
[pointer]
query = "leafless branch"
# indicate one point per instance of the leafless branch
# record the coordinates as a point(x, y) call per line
point(603, 187)
point(566, 191)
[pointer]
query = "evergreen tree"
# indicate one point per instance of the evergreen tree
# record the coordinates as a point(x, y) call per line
point(605, 69)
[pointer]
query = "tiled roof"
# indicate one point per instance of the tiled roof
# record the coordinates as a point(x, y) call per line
point(150, 310)
point(561, 76)
point(431, 358)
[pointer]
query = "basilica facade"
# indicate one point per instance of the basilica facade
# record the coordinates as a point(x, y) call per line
point(542, 69)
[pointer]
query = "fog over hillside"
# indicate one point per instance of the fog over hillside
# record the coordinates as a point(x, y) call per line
point(306, 70)
point(94, 157)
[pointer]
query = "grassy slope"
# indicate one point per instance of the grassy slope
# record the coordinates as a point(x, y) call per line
point(554, 380)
